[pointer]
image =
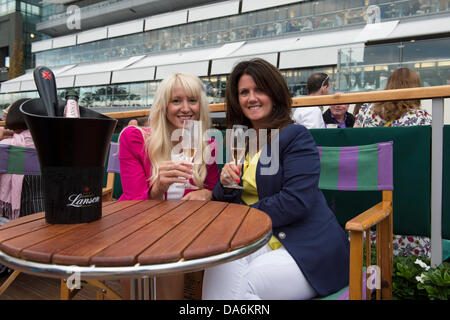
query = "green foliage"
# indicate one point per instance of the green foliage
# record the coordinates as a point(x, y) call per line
point(404, 282)
point(413, 281)
point(436, 282)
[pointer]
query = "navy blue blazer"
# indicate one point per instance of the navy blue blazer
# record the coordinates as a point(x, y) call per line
point(301, 218)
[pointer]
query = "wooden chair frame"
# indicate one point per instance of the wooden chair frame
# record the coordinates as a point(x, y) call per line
point(108, 190)
point(343, 169)
point(380, 216)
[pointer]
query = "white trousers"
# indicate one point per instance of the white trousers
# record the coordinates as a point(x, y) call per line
point(263, 275)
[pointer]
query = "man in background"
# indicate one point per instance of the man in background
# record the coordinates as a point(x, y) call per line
point(339, 116)
point(318, 84)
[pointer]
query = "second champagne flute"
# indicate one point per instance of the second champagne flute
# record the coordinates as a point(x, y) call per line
point(190, 142)
point(237, 148)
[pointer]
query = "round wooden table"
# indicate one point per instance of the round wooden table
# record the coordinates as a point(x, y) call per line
point(135, 239)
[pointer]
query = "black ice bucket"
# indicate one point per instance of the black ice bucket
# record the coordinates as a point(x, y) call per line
point(72, 154)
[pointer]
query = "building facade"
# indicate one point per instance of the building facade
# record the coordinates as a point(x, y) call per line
point(18, 20)
point(115, 60)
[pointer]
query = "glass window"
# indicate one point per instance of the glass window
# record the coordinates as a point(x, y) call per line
point(86, 99)
point(99, 96)
point(138, 94)
point(296, 79)
point(388, 53)
point(152, 87)
point(324, 6)
point(302, 16)
point(120, 95)
point(420, 50)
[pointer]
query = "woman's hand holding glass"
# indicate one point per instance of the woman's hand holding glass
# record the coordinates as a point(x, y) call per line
point(171, 172)
point(230, 176)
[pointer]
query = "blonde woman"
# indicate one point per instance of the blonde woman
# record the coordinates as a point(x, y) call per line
point(150, 167)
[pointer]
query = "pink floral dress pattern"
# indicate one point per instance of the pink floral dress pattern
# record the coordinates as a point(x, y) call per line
point(413, 117)
point(408, 245)
point(403, 245)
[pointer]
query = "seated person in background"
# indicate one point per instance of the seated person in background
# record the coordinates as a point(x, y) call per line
point(143, 121)
point(356, 109)
point(139, 122)
point(318, 84)
point(338, 115)
point(133, 122)
point(5, 112)
point(150, 169)
point(402, 113)
point(19, 195)
point(395, 113)
point(308, 255)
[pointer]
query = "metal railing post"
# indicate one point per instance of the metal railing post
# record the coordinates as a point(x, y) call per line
point(437, 143)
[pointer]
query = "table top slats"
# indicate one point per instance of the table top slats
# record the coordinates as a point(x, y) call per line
point(255, 225)
point(23, 220)
point(16, 245)
point(216, 238)
point(116, 206)
point(170, 247)
point(21, 229)
point(149, 237)
point(125, 252)
point(81, 252)
point(112, 215)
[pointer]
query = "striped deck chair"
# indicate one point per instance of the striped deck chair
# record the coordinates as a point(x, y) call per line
point(113, 168)
point(364, 168)
point(18, 160)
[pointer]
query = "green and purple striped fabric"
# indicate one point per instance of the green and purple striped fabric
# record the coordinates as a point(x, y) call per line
point(18, 160)
point(359, 168)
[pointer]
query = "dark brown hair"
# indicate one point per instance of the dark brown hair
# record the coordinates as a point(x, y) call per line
point(15, 119)
point(316, 81)
point(270, 81)
point(400, 79)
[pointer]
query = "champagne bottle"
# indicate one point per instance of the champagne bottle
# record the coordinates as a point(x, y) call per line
point(71, 110)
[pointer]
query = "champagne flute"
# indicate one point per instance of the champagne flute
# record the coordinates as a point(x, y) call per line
point(237, 148)
point(190, 143)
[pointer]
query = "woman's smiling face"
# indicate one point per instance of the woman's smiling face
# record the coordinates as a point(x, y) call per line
point(181, 107)
point(255, 103)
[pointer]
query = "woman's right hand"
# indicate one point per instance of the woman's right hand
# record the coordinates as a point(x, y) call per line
point(5, 133)
point(170, 172)
point(230, 172)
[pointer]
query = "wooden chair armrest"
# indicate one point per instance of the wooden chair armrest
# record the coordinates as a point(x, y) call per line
point(370, 217)
point(106, 190)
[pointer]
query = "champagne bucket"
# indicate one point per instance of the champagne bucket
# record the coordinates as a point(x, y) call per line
point(72, 154)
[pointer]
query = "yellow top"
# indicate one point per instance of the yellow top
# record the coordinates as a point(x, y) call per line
point(250, 193)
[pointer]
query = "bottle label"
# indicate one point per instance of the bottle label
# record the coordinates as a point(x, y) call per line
point(71, 109)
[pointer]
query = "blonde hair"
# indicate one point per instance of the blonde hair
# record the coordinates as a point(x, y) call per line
point(158, 145)
point(400, 79)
